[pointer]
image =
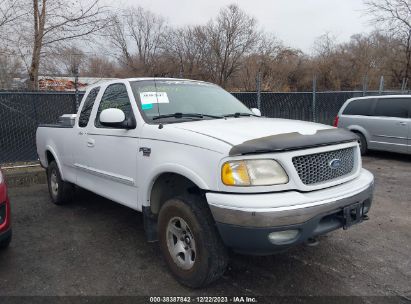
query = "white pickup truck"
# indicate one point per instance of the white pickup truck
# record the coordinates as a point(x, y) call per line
point(207, 173)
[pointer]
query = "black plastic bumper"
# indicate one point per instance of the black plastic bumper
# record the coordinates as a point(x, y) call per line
point(255, 241)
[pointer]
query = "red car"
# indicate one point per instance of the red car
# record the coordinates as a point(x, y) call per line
point(5, 227)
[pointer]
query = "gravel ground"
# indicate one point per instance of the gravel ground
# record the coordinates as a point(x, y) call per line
point(95, 247)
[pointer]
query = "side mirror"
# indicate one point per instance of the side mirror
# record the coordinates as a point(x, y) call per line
point(115, 118)
point(256, 111)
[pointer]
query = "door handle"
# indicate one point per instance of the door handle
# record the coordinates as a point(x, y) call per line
point(402, 123)
point(90, 142)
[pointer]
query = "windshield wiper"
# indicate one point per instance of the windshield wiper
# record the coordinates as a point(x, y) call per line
point(184, 115)
point(236, 115)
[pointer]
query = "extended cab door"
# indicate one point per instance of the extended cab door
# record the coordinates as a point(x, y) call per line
point(112, 152)
point(390, 124)
point(80, 135)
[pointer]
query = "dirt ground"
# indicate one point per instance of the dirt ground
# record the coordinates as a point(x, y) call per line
point(95, 247)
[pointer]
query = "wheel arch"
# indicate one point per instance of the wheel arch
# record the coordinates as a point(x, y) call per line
point(167, 185)
point(360, 130)
point(50, 156)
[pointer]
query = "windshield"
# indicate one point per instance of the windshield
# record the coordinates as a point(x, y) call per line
point(168, 97)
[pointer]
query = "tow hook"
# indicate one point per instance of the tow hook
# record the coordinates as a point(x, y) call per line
point(312, 242)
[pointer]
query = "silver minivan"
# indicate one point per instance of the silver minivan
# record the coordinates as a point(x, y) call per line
point(381, 122)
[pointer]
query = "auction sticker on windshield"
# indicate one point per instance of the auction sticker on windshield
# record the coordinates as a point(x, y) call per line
point(150, 98)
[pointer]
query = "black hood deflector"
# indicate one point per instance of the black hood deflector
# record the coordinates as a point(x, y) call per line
point(293, 141)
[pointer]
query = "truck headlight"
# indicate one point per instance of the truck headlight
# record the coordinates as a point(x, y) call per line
point(258, 172)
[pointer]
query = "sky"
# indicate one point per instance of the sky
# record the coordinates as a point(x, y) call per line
point(295, 22)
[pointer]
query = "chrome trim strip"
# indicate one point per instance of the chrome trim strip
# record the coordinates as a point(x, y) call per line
point(114, 177)
point(387, 143)
point(387, 136)
point(286, 215)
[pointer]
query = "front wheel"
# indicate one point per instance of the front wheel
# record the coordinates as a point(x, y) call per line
point(190, 242)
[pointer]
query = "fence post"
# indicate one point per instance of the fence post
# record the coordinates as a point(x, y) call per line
point(365, 85)
point(404, 85)
point(314, 98)
point(381, 89)
point(259, 90)
point(33, 101)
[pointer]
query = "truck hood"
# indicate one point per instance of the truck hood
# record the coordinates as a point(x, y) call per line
point(235, 131)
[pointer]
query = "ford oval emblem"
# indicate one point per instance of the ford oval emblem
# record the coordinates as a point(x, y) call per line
point(335, 164)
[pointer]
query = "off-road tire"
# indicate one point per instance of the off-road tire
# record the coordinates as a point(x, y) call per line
point(211, 256)
point(63, 193)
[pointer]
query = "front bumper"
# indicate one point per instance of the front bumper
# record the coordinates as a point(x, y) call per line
point(246, 229)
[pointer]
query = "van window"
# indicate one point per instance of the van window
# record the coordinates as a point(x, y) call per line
point(87, 107)
point(392, 107)
point(360, 107)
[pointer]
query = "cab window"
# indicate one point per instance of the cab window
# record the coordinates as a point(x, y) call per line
point(115, 96)
point(87, 107)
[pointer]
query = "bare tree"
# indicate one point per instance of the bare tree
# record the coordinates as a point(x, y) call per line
point(55, 24)
point(326, 62)
point(184, 47)
point(146, 30)
point(119, 39)
point(260, 62)
point(100, 67)
point(10, 67)
point(394, 17)
point(138, 34)
point(228, 50)
point(9, 11)
point(66, 60)
point(10, 64)
point(231, 36)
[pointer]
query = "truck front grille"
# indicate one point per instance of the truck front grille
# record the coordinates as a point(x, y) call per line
point(323, 167)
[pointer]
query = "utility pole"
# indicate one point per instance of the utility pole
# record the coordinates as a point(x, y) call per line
point(75, 64)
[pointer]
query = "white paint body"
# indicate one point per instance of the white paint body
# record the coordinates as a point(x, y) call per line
point(109, 162)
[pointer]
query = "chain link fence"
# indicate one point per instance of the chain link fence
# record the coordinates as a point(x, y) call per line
point(22, 112)
point(321, 107)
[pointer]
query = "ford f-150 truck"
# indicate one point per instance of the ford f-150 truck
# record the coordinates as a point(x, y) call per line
point(208, 174)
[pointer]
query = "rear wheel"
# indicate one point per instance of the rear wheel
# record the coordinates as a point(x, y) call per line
point(61, 192)
point(190, 242)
